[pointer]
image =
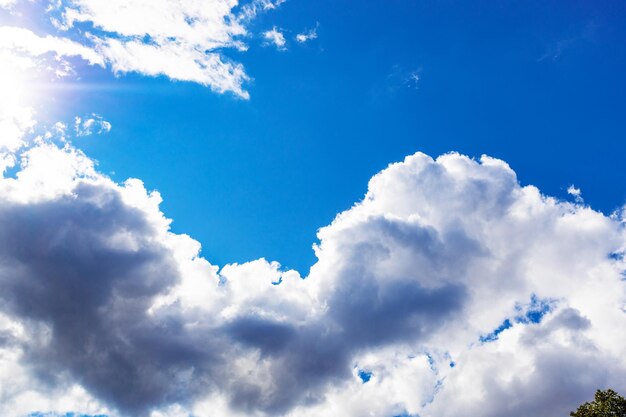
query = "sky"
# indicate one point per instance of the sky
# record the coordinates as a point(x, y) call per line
point(296, 208)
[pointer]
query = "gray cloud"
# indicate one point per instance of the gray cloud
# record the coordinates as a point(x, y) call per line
point(60, 269)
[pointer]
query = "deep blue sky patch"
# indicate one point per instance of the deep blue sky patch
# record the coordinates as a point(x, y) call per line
point(365, 375)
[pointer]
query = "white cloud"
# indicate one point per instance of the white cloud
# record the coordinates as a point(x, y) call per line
point(104, 309)
point(193, 22)
point(177, 40)
point(275, 37)
point(176, 61)
point(22, 40)
point(252, 9)
point(182, 40)
point(576, 193)
point(15, 123)
point(93, 125)
point(307, 35)
point(16, 118)
point(7, 4)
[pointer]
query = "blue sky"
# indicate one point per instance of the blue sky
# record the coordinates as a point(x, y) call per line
point(537, 84)
point(212, 208)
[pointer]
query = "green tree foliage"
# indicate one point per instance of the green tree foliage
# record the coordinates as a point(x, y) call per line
point(605, 404)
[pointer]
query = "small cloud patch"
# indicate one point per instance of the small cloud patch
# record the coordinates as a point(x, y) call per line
point(94, 125)
point(307, 35)
point(576, 193)
point(275, 37)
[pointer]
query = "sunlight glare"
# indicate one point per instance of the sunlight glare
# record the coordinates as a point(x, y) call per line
point(17, 99)
point(16, 79)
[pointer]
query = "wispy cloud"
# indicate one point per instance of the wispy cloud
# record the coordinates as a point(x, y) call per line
point(182, 40)
point(92, 125)
point(252, 9)
point(398, 79)
point(307, 35)
point(24, 41)
point(554, 50)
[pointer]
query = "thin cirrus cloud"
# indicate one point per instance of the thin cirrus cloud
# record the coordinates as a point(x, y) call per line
point(182, 40)
point(452, 287)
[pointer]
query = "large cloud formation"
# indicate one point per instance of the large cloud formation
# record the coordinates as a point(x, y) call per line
point(183, 40)
point(449, 290)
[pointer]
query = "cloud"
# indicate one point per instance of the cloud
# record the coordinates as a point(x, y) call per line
point(252, 9)
point(22, 40)
point(275, 37)
point(15, 123)
point(104, 310)
point(94, 124)
point(576, 193)
point(183, 40)
point(7, 4)
point(398, 80)
point(307, 35)
point(179, 40)
point(16, 119)
point(413, 79)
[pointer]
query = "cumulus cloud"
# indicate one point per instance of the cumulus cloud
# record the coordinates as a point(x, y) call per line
point(182, 40)
point(104, 310)
point(275, 37)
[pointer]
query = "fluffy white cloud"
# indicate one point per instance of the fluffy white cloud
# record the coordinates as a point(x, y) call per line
point(452, 287)
point(275, 37)
point(183, 40)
